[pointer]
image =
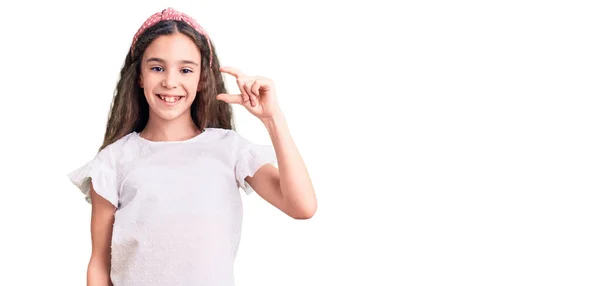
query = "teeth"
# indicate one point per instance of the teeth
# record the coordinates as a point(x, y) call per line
point(169, 99)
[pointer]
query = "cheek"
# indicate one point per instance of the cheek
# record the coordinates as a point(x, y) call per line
point(191, 85)
point(146, 81)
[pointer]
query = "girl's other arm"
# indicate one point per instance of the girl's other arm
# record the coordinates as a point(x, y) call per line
point(103, 213)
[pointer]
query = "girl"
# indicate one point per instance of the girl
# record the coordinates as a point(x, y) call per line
point(164, 186)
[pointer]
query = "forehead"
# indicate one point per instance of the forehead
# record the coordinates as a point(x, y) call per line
point(175, 47)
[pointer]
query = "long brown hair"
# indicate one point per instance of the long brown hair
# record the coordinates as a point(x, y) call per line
point(129, 109)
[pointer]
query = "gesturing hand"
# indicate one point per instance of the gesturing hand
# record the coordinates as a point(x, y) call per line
point(257, 94)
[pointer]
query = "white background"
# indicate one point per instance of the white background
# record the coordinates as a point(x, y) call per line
point(449, 142)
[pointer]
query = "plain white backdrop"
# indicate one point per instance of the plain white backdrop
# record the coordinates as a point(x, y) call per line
point(449, 142)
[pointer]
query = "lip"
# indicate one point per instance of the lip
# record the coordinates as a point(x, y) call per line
point(168, 103)
point(168, 94)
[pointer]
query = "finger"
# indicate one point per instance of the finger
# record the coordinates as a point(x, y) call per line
point(254, 99)
point(230, 98)
point(256, 87)
point(232, 71)
point(248, 88)
point(241, 84)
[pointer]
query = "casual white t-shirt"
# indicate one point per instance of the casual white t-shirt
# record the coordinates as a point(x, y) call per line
point(179, 210)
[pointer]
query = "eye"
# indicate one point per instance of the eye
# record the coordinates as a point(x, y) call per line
point(187, 71)
point(158, 69)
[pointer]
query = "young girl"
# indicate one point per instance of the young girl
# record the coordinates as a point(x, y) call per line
point(164, 186)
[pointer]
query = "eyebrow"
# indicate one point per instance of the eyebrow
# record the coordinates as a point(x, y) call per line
point(163, 61)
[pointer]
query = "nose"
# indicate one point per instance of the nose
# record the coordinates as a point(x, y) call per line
point(170, 80)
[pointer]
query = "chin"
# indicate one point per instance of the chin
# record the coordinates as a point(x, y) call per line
point(168, 111)
point(171, 115)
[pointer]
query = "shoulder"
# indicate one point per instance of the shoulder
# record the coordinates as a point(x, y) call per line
point(103, 170)
point(116, 150)
point(236, 145)
point(221, 133)
point(227, 136)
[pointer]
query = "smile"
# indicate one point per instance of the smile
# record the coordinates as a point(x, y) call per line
point(169, 98)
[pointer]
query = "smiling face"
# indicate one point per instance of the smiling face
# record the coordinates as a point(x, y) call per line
point(169, 76)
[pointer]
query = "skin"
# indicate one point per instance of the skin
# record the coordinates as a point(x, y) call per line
point(98, 272)
point(171, 66)
point(289, 187)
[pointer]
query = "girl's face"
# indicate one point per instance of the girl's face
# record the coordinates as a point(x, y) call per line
point(170, 72)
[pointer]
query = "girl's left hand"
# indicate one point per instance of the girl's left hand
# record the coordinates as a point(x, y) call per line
point(257, 94)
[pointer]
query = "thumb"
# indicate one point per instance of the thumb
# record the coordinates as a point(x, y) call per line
point(230, 98)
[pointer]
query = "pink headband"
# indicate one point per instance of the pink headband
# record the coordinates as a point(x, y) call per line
point(171, 14)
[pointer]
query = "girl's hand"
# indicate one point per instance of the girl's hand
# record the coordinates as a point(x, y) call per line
point(257, 94)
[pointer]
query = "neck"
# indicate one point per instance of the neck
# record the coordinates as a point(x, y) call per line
point(178, 129)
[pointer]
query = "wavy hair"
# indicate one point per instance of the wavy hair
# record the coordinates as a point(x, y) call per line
point(129, 110)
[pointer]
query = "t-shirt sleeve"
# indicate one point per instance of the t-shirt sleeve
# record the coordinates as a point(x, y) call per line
point(251, 157)
point(101, 173)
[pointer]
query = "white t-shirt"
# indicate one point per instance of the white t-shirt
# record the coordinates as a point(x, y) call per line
point(179, 211)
